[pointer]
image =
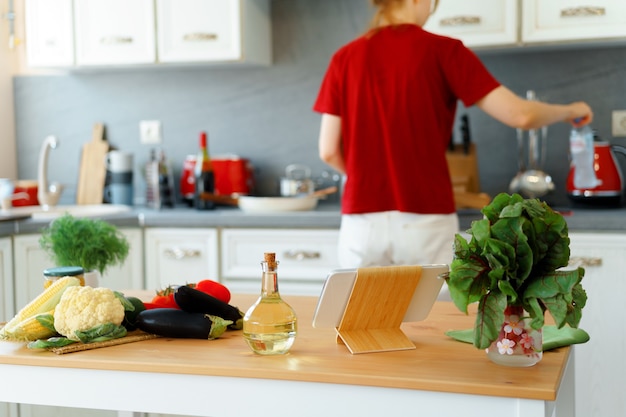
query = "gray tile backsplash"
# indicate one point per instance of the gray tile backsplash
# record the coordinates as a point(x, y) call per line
point(264, 113)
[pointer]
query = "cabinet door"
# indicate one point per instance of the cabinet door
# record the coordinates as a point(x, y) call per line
point(49, 33)
point(180, 256)
point(306, 257)
point(476, 23)
point(566, 20)
point(600, 368)
point(30, 261)
point(213, 30)
point(114, 32)
point(7, 309)
point(198, 30)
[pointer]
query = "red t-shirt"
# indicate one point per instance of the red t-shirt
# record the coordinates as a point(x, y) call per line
point(396, 92)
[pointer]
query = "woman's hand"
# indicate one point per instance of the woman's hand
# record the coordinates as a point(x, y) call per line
point(582, 114)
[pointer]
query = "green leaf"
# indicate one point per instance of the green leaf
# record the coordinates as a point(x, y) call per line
point(536, 311)
point(467, 281)
point(556, 292)
point(507, 289)
point(50, 343)
point(481, 231)
point(128, 306)
point(47, 321)
point(101, 333)
point(579, 300)
point(552, 284)
point(489, 319)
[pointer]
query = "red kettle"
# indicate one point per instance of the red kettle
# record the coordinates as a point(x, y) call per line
point(610, 188)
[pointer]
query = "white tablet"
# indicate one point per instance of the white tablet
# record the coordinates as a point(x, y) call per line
point(338, 286)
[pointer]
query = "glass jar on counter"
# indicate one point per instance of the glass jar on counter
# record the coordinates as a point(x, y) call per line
point(52, 274)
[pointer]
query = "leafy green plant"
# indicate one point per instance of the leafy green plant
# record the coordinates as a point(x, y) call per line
point(514, 257)
point(90, 243)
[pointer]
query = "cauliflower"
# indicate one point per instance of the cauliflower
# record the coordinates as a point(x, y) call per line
point(83, 308)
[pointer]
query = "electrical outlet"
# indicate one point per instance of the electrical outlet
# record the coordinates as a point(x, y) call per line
point(619, 123)
point(150, 131)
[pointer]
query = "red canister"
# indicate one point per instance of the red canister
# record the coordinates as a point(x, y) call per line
point(27, 189)
point(233, 176)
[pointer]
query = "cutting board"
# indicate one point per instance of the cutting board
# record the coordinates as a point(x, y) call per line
point(92, 168)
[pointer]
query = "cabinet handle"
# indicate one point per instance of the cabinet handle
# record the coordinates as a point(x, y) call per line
point(179, 253)
point(583, 11)
point(584, 261)
point(460, 21)
point(115, 40)
point(200, 37)
point(300, 255)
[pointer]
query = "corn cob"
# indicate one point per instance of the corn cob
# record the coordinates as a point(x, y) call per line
point(31, 329)
point(16, 328)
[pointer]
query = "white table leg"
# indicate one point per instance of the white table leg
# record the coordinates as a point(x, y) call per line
point(566, 399)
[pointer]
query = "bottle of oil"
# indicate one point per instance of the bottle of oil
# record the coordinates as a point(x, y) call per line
point(270, 325)
point(205, 178)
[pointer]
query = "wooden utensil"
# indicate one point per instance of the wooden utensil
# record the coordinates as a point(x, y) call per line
point(92, 168)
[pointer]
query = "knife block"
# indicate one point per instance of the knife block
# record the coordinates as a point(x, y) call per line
point(377, 304)
point(463, 168)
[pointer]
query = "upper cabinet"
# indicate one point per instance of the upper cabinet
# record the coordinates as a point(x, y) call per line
point(213, 30)
point(105, 33)
point(565, 20)
point(477, 23)
point(114, 32)
point(501, 23)
point(49, 33)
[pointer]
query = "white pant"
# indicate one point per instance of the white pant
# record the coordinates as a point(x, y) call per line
point(395, 238)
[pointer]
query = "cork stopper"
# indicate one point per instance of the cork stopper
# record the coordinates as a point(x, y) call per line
point(270, 258)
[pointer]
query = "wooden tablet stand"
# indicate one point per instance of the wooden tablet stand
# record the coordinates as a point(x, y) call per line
point(375, 309)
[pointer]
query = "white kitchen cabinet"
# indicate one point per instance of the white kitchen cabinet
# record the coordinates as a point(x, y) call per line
point(213, 31)
point(30, 261)
point(476, 23)
point(600, 365)
point(6, 279)
point(49, 33)
point(306, 257)
point(176, 256)
point(505, 23)
point(114, 32)
point(567, 20)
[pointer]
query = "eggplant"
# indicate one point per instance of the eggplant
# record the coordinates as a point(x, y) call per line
point(195, 301)
point(171, 322)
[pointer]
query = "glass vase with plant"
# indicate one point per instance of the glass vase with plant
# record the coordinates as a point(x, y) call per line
point(93, 244)
point(513, 266)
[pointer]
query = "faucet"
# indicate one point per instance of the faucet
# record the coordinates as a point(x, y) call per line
point(48, 196)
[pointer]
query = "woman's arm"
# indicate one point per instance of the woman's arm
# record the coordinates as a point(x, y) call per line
point(330, 142)
point(503, 105)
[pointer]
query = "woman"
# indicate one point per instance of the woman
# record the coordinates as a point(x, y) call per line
point(388, 103)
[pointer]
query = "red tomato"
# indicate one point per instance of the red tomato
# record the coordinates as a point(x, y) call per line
point(214, 288)
point(164, 301)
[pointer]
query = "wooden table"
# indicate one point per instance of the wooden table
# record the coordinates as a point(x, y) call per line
point(223, 378)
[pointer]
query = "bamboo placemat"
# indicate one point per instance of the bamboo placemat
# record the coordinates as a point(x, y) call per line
point(134, 336)
point(131, 337)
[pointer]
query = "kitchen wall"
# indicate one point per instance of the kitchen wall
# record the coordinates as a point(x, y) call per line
point(264, 113)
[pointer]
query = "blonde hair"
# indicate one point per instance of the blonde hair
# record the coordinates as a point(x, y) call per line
point(385, 11)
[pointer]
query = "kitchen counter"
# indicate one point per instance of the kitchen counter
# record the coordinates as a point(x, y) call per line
point(223, 378)
point(325, 216)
